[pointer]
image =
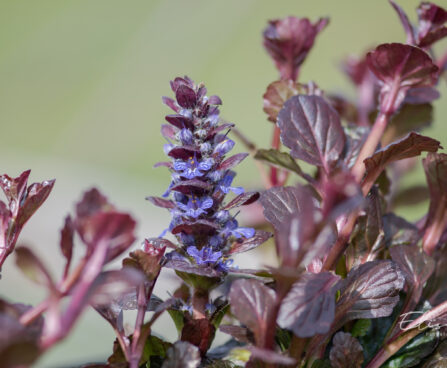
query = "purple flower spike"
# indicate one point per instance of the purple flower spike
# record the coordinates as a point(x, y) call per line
point(204, 256)
point(192, 167)
point(224, 147)
point(225, 184)
point(232, 229)
point(196, 206)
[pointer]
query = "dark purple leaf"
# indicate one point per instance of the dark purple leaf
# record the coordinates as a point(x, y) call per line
point(182, 355)
point(113, 314)
point(243, 199)
point(185, 152)
point(156, 245)
point(14, 189)
point(129, 301)
point(408, 28)
point(356, 69)
point(5, 217)
point(199, 332)
point(248, 244)
point(33, 268)
point(435, 166)
point(397, 231)
point(239, 333)
point(416, 267)
point(309, 307)
point(253, 304)
point(183, 265)
point(179, 121)
point(279, 159)
point(311, 128)
point(276, 95)
point(355, 138)
point(161, 202)
point(148, 262)
point(280, 203)
point(346, 351)
point(288, 42)
point(346, 109)
point(91, 203)
point(186, 97)
point(193, 186)
point(212, 132)
point(370, 290)
point(410, 146)
point(431, 24)
point(232, 161)
point(66, 242)
point(195, 227)
point(269, 356)
point(400, 67)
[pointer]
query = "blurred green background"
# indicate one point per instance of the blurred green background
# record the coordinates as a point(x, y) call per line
point(80, 100)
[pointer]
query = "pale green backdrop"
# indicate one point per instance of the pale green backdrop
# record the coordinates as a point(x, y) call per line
point(80, 100)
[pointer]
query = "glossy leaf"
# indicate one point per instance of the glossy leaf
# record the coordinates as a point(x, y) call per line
point(309, 307)
point(399, 231)
point(311, 128)
point(412, 145)
point(278, 159)
point(14, 189)
point(280, 203)
point(243, 199)
point(346, 351)
point(245, 245)
point(147, 262)
point(416, 267)
point(370, 290)
point(253, 304)
point(36, 194)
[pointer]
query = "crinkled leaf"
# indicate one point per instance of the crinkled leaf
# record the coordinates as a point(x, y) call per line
point(346, 351)
point(311, 128)
point(247, 244)
point(33, 268)
point(280, 203)
point(410, 146)
point(182, 355)
point(279, 159)
point(276, 95)
point(243, 199)
point(288, 42)
point(416, 267)
point(370, 290)
point(361, 327)
point(253, 304)
point(412, 353)
point(161, 202)
point(309, 307)
point(400, 67)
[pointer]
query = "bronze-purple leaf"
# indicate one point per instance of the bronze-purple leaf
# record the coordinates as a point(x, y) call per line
point(346, 351)
point(239, 333)
point(311, 128)
point(92, 201)
point(245, 245)
point(279, 159)
point(180, 121)
point(408, 28)
point(66, 242)
point(14, 189)
point(195, 227)
point(400, 67)
point(288, 42)
point(232, 161)
point(432, 19)
point(309, 307)
point(370, 290)
point(276, 95)
point(184, 265)
point(193, 186)
point(253, 304)
point(410, 146)
point(416, 267)
point(186, 97)
point(280, 203)
point(243, 199)
point(161, 202)
point(185, 152)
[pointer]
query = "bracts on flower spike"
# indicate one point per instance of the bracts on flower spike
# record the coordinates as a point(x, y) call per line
point(202, 177)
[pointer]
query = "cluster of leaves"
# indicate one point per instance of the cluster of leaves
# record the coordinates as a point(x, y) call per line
point(356, 285)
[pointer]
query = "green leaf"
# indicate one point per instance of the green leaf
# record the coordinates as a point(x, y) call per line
point(279, 159)
point(361, 327)
point(177, 317)
point(320, 363)
point(417, 349)
point(154, 348)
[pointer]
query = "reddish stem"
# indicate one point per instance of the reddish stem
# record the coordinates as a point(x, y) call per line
point(276, 142)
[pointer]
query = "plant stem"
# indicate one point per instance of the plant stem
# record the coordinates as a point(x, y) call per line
point(276, 142)
point(142, 305)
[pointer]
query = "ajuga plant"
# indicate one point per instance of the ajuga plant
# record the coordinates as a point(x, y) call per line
point(355, 284)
